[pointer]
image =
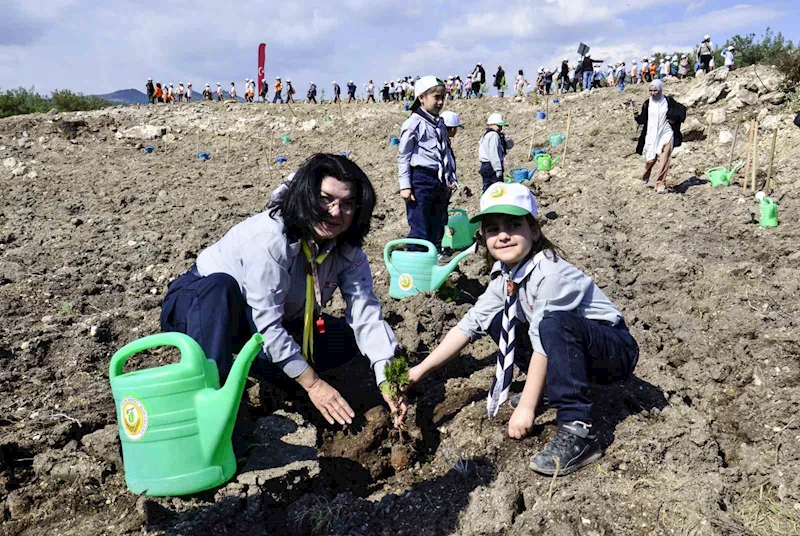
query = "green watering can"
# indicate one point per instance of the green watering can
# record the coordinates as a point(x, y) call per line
point(459, 232)
point(285, 139)
point(175, 422)
point(412, 272)
point(556, 139)
point(545, 162)
point(769, 211)
point(720, 176)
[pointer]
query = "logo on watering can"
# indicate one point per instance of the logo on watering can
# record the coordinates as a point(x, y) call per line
point(405, 282)
point(449, 232)
point(134, 418)
point(498, 191)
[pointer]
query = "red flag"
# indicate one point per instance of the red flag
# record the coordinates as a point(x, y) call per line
point(262, 51)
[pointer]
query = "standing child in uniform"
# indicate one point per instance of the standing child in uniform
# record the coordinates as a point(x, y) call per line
point(492, 150)
point(426, 167)
point(219, 92)
point(578, 336)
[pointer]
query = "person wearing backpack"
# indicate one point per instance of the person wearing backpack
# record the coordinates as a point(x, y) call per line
point(705, 51)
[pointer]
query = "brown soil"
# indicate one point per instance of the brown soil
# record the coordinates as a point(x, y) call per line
point(704, 439)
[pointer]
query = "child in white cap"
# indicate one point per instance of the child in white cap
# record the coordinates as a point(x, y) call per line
point(452, 122)
point(492, 150)
point(426, 167)
point(577, 335)
point(219, 92)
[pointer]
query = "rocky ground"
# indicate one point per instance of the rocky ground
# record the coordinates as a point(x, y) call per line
point(704, 439)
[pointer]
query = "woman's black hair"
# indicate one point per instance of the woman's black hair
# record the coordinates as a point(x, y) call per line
point(301, 206)
point(520, 71)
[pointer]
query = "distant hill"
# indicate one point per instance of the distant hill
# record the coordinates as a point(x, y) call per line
point(134, 96)
point(125, 96)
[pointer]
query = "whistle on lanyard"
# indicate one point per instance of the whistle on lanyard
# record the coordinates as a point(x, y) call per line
point(320, 323)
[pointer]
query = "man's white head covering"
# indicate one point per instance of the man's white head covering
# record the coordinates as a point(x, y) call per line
point(706, 37)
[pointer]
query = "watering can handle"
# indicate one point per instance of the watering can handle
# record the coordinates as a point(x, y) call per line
point(457, 211)
point(400, 242)
point(191, 352)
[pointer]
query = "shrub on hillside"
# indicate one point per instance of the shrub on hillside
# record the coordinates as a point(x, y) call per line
point(27, 101)
point(788, 63)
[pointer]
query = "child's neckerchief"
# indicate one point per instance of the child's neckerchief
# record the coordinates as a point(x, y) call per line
point(504, 372)
point(447, 163)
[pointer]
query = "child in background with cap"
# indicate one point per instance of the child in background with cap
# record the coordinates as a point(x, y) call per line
point(426, 167)
point(578, 335)
point(492, 150)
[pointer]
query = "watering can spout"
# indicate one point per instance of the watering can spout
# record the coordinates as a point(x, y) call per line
point(440, 273)
point(217, 408)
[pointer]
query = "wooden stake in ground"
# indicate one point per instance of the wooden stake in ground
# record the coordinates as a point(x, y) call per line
point(290, 108)
point(547, 107)
point(733, 146)
point(749, 154)
point(530, 147)
point(197, 142)
point(755, 158)
point(566, 140)
point(708, 136)
point(768, 186)
point(269, 164)
point(227, 150)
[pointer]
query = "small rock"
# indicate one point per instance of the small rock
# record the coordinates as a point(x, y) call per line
point(19, 171)
point(762, 114)
point(118, 135)
point(93, 331)
point(725, 136)
point(76, 221)
point(717, 117)
point(308, 126)
point(776, 98)
point(10, 163)
point(131, 243)
point(104, 444)
point(46, 319)
point(33, 175)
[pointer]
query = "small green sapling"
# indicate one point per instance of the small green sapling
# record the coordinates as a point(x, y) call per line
point(396, 378)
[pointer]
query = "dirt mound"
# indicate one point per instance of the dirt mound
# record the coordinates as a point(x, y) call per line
point(703, 439)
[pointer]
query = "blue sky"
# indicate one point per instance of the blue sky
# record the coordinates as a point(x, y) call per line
point(96, 47)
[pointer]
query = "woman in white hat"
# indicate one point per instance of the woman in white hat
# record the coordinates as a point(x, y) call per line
point(683, 67)
point(705, 50)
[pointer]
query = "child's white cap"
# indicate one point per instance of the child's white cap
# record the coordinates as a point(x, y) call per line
point(422, 85)
point(706, 36)
point(496, 119)
point(512, 199)
point(451, 119)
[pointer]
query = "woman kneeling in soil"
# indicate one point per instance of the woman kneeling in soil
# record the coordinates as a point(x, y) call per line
point(577, 334)
point(260, 277)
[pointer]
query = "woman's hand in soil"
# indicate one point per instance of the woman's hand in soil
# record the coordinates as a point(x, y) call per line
point(521, 423)
point(399, 408)
point(415, 374)
point(407, 194)
point(330, 403)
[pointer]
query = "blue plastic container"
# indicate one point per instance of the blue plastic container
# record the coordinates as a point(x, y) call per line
point(406, 107)
point(540, 115)
point(203, 156)
point(149, 149)
point(537, 150)
point(344, 153)
point(283, 159)
point(555, 101)
point(394, 141)
point(519, 174)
